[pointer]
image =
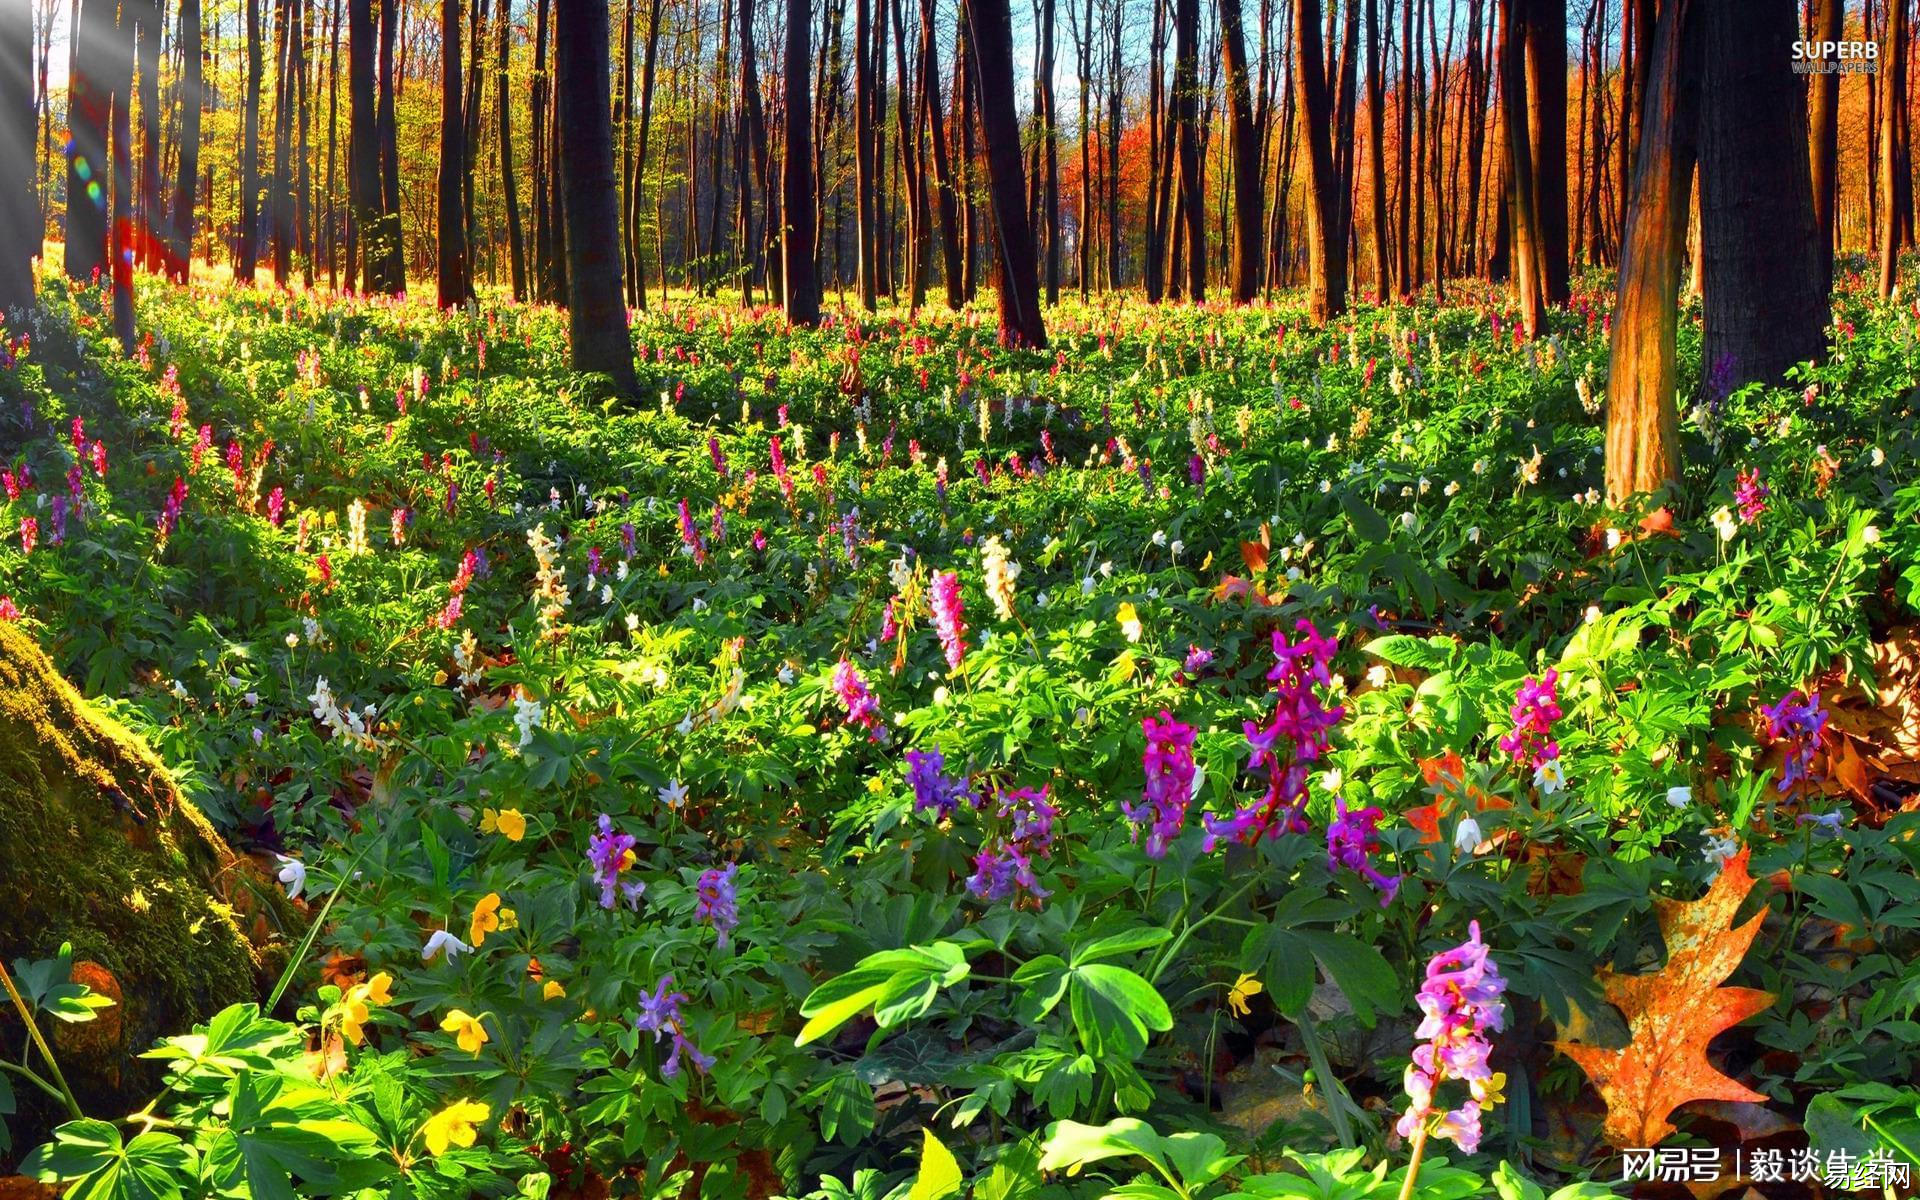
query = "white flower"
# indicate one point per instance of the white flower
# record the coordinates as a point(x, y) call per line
point(293, 876)
point(1467, 836)
point(1549, 777)
point(1680, 797)
point(685, 726)
point(252, 699)
point(1719, 849)
point(293, 641)
point(1333, 780)
point(674, 795)
point(1724, 524)
point(1593, 613)
point(785, 673)
point(1473, 534)
point(1870, 535)
point(528, 715)
point(179, 690)
point(443, 940)
point(1377, 675)
point(1613, 539)
point(1879, 456)
point(1408, 520)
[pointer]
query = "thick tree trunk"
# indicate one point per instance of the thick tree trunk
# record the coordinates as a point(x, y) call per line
point(454, 277)
point(150, 214)
point(20, 232)
point(1376, 153)
point(1546, 75)
point(1050, 152)
point(1522, 191)
point(596, 303)
point(1765, 298)
point(509, 184)
point(1643, 435)
point(124, 217)
point(990, 32)
point(390, 243)
point(1892, 162)
point(799, 282)
point(180, 249)
point(90, 108)
point(279, 200)
point(753, 119)
point(1244, 148)
point(246, 257)
point(865, 204)
point(1823, 151)
point(1326, 239)
point(1190, 226)
point(946, 202)
point(364, 270)
point(635, 184)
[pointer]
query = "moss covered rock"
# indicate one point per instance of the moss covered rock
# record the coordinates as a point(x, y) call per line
point(100, 849)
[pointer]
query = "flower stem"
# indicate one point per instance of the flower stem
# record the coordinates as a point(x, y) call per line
point(46, 1052)
point(1413, 1163)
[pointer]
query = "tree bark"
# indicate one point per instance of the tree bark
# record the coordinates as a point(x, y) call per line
point(454, 276)
point(391, 242)
point(799, 282)
point(509, 184)
point(1823, 151)
point(20, 232)
point(1326, 239)
point(180, 249)
point(1892, 164)
point(1546, 77)
point(946, 203)
point(596, 304)
point(246, 258)
point(1244, 148)
point(365, 270)
point(1523, 222)
point(1643, 435)
point(1765, 297)
point(124, 217)
point(1376, 153)
point(990, 30)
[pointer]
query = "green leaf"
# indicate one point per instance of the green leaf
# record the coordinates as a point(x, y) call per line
point(1130, 941)
point(939, 1175)
point(90, 1158)
point(1071, 1146)
point(1512, 1185)
point(846, 1109)
point(1403, 650)
point(1368, 524)
point(1115, 1009)
point(899, 984)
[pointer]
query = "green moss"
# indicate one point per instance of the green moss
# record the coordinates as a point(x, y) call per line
point(98, 848)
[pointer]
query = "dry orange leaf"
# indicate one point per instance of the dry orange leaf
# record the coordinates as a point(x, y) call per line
point(1446, 775)
point(1674, 1012)
point(1254, 555)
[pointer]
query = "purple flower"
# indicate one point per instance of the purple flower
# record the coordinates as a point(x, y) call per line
point(719, 902)
point(1197, 660)
point(1004, 868)
point(1750, 495)
point(1171, 776)
point(1799, 721)
point(1460, 1002)
point(611, 853)
point(717, 455)
point(947, 618)
point(1536, 706)
point(659, 1012)
point(702, 1063)
point(932, 788)
point(1352, 840)
point(690, 535)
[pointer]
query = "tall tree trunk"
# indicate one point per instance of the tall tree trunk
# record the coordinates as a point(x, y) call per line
point(990, 29)
point(1892, 164)
point(1326, 239)
point(20, 229)
point(952, 271)
point(180, 248)
point(1643, 423)
point(1404, 250)
point(754, 136)
point(122, 56)
point(1376, 153)
point(1546, 31)
point(453, 276)
point(509, 184)
point(279, 202)
point(1185, 114)
point(596, 302)
point(246, 258)
point(1114, 77)
point(635, 184)
point(1522, 191)
point(865, 204)
point(1765, 301)
point(799, 282)
point(1829, 23)
point(1050, 145)
point(149, 214)
point(1159, 161)
point(90, 110)
point(389, 242)
point(1243, 146)
point(363, 156)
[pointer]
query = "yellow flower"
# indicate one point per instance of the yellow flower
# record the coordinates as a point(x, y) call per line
point(509, 823)
point(453, 1125)
point(1491, 1090)
point(1243, 988)
point(379, 989)
point(486, 918)
point(354, 1015)
point(466, 1029)
point(509, 920)
point(1129, 621)
point(553, 991)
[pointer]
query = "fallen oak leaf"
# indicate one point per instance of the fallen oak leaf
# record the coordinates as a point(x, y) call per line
point(1673, 1013)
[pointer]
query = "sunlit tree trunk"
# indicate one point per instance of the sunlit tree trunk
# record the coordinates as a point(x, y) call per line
point(799, 282)
point(509, 183)
point(19, 206)
point(1892, 101)
point(1823, 150)
point(124, 215)
point(454, 277)
point(247, 255)
point(1326, 239)
point(947, 204)
point(1243, 146)
point(1643, 437)
point(990, 29)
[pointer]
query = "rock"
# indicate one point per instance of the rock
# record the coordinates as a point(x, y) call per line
point(100, 849)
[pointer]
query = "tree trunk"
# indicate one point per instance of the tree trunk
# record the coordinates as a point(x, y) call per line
point(180, 249)
point(863, 150)
point(946, 202)
point(1523, 222)
point(1050, 152)
point(122, 55)
point(990, 32)
point(1823, 152)
point(509, 185)
point(1244, 147)
point(1892, 101)
point(1326, 240)
point(246, 258)
point(150, 214)
point(20, 232)
point(1643, 435)
point(596, 303)
point(1765, 298)
point(363, 161)
point(754, 134)
point(390, 244)
point(799, 282)
point(1190, 226)
point(1376, 153)
point(1546, 78)
point(454, 275)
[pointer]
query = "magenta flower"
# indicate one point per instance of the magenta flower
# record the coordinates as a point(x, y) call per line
point(690, 534)
point(1536, 706)
point(1171, 776)
point(1460, 1004)
point(29, 534)
point(1353, 839)
point(1003, 868)
point(1750, 495)
point(948, 620)
point(862, 709)
point(1301, 724)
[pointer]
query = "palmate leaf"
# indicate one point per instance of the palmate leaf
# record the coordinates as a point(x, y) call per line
point(89, 1157)
point(279, 1130)
point(897, 984)
point(1674, 1012)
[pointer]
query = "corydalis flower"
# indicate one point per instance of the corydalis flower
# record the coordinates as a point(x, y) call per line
point(1750, 495)
point(1798, 720)
point(1004, 867)
point(1301, 725)
point(862, 709)
point(1171, 779)
point(1353, 839)
point(719, 901)
point(690, 534)
point(1536, 706)
point(932, 788)
point(947, 618)
point(1460, 1004)
point(660, 1016)
point(611, 852)
point(1000, 572)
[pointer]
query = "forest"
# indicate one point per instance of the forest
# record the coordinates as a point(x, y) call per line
point(942, 600)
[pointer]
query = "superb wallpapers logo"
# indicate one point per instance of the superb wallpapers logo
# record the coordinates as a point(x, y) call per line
point(1836, 58)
